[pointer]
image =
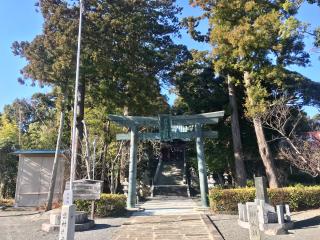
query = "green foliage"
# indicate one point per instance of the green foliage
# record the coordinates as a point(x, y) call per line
point(298, 197)
point(36, 118)
point(8, 172)
point(250, 183)
point(8, 162)
point(260, 37)
point(197, 84)
point(40, 136)
point(107, 205)
point(8, 132)
point(127, 50)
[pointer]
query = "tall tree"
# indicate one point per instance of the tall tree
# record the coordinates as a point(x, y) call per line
point(259, 39)
point(127, 51)
point(241, 175)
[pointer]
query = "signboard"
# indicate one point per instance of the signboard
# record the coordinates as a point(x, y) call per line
point(165, 127)
point(86, 189)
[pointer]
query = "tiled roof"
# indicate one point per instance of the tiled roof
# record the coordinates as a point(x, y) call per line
point(36, 151)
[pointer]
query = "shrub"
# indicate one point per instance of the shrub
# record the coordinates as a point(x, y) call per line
point(6, 202)
point(107, 205)
point(298, 198)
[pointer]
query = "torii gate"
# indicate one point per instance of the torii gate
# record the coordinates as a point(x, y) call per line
point(170, 128)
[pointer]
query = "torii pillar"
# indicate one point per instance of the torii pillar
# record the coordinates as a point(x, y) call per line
point(131, 200)
point(202, 167)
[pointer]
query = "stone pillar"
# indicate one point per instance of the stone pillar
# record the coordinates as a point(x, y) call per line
point(254, 231)
point(261, 189)
point(287, 215)
point(280, 213)
point(67, 222)
point(202, 167)
point(131, 200)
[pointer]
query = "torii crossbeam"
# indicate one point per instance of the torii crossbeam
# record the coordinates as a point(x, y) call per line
point(184, 127)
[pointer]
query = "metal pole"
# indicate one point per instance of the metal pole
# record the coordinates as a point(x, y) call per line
point(67, 222)
point(94, 157)
point(93, 167)
point(74, 122)
point(131, 201)
point(202, 167)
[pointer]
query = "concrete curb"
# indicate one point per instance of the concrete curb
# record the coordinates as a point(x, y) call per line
point(212, 229)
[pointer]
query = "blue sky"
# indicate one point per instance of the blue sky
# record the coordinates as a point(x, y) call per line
point(19, 21)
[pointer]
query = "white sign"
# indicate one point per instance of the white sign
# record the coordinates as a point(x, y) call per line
point(67, 196)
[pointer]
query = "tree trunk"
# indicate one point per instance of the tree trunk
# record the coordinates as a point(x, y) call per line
point(55, 163)
point(241, 175)
point(88, 154)
point(103, 168)
point(79, 124)
point(265, 154)
point(106, 128)
point(264, 149)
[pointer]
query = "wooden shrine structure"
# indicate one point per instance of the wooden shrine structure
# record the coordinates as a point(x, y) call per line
point(166, 128)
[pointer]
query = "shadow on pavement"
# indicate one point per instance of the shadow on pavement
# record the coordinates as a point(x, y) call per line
point(308, 223)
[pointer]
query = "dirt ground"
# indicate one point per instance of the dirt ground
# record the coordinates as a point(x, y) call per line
point(306, 227)
point(26, 225)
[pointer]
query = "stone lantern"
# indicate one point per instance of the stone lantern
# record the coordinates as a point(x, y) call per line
point(125, 185)
point(226, 178)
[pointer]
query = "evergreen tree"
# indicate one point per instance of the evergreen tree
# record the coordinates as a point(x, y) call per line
point(259, 39)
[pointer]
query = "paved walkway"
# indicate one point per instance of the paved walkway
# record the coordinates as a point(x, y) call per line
point(165, 218)
point(168, 206)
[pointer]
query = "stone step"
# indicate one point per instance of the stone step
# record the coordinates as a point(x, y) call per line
point(170, 190)
point(81, 217)
point(171, 173)
point(47, 227)
point(81, 220)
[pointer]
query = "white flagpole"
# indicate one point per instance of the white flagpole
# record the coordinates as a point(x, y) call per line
point(74, 123)
point(67, 221)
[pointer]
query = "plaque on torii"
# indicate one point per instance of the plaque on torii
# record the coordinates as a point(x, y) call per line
point(166, 123)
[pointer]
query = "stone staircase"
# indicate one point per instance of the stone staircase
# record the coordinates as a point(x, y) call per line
point(170, 181)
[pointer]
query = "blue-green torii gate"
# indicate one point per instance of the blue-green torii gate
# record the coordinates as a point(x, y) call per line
point(170, 128)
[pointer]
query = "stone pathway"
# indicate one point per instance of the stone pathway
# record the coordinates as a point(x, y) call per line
point(165, 218)
point(167, 206)
point(176, 227)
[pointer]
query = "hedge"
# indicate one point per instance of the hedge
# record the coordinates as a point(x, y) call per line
point(298, 198)
point(6, 202)
point(107, 205)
